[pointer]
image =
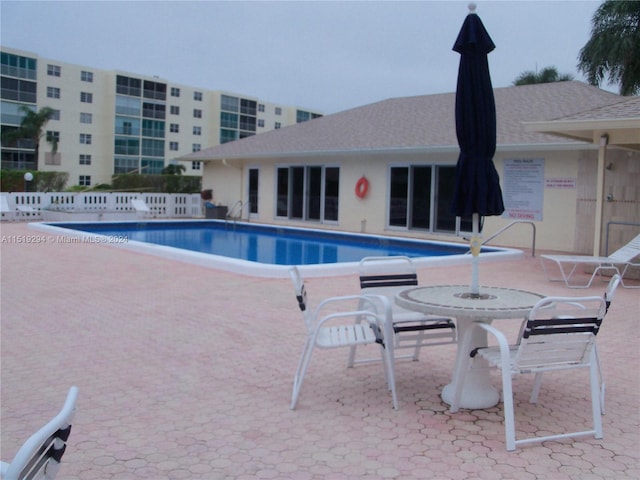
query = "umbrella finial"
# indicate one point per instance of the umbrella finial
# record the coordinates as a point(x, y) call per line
point(472, 7)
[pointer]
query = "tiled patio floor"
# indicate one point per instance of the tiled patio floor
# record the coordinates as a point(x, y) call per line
point(186, 372)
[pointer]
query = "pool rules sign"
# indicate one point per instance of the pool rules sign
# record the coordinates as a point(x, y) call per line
point(523, 188)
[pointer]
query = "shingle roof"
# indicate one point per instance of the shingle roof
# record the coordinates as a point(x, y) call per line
point(628, 107)
point(419, 122)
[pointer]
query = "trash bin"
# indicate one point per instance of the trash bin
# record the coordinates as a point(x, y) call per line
point(213, 212)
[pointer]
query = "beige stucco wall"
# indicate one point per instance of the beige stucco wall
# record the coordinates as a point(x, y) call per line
point(568, 213)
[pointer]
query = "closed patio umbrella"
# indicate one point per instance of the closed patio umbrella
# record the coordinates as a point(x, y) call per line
point(477, 188)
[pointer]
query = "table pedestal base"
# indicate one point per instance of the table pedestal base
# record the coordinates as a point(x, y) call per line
point(476, 394)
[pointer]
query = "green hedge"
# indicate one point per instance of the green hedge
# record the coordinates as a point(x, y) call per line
point(13, 181)
point(157, 183)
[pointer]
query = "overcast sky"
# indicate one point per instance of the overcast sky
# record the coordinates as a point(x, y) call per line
point(323, 55)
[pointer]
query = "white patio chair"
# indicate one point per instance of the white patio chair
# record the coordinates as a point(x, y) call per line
point(366, 325)
point(412, 330)
point(39, 457)
point(559, 335)
point(621, 258)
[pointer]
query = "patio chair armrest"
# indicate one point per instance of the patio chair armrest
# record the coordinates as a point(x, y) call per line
point(503, 343)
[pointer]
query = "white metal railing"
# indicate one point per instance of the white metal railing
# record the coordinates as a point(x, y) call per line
point(36, 205)
point(515, 222)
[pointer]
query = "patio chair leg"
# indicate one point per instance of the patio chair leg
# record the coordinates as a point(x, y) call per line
point(537, 382)
point(509, 417)
point(302, 369)
point(596, 408)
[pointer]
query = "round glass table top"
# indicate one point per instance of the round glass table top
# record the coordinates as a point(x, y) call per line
point(456, 301)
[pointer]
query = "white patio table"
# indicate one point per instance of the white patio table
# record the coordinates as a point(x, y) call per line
point(456, 301)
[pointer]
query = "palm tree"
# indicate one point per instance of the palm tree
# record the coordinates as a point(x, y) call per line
point(546, 75)
point(32, 128)
point(174, 169)
point(613, 51)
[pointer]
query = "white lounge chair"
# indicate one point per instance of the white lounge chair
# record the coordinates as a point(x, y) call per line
point(559, 335)
point(140, 207)
point(39, 457)
point(622, 258)
point(5, 211)
point(367, 327)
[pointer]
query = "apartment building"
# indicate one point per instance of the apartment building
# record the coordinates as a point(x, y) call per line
point(112, 122)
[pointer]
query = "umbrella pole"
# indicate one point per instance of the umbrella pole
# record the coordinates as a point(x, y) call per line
point(475, 252)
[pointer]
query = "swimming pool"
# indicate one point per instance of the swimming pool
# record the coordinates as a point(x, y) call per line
point(260, 250)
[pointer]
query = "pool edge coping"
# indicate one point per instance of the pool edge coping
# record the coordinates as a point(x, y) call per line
point(255, 269)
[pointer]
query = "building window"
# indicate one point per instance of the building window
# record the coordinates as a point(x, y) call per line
point(85, 138)
point(303, 116)
point(174, 110)
point(261, 107)
point(174, 128)
point(173, 146)
point(53, 92)
point(53, 135)
point(19, 90)
point(278, 111)
point(153, 128)
point(84, 180)
point(127, 126)
point(230, 104)
point(197, 130)
point(152, 148)
point(197, 96)
point(195, 165)
point(86, 97)
point(129, 86)
point(196, 147)
point(197, 113)
point(277, 125)
point(228, 135)
point(86, 117)
point(154, 90)
point(18, 66)
point(128, 106)
point(247, 123)
point(55, 115)
point(126, 146)
point(261, 123)
point(175, 92)
point(420, 199)
point(308, 193)
point(85, 159)
point(86, 76)
point(153, 110)
point(53, 70)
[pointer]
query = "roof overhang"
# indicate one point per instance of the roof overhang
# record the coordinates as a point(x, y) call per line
point(421, 150)
point(624, 133)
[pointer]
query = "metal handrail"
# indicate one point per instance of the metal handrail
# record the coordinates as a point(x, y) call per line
point(235, 212)
point(533, 243)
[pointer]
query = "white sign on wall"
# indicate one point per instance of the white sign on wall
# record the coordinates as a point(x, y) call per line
point(523, 188)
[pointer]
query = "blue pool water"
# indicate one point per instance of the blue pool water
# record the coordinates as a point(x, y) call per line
point(261, 250)
point(266, 244)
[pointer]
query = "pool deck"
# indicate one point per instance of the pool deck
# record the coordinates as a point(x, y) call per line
point(185, 372)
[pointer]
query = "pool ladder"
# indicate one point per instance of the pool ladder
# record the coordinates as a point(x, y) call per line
point(235, 212)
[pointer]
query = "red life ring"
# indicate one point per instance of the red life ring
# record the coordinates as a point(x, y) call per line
point(362, 187)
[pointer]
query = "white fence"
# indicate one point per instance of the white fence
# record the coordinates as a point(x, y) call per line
point(72, 206)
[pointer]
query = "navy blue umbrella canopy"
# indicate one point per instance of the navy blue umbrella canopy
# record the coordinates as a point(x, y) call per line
point(477, 188)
